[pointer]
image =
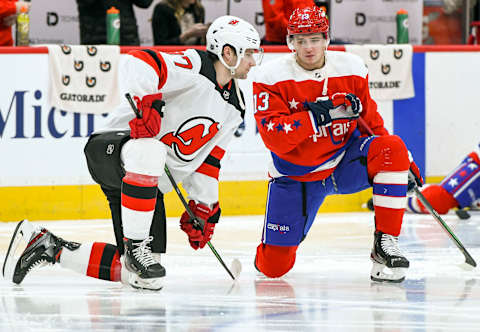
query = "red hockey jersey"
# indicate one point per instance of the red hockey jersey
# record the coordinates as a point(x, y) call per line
point(298, 148)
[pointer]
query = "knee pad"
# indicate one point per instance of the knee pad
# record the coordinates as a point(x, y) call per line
point(144, 156)
point(387, 154)
point(275, 261)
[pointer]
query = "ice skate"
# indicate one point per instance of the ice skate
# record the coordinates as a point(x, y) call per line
point(142, 269)
point(42, 248)
point(389, 264)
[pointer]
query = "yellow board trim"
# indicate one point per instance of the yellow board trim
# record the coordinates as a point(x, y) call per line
point(88, 201)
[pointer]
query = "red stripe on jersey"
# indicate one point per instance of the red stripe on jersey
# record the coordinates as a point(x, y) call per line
point(161, 72)
point(95, 259)
point(217, 152)
point(116, 268)
point(208, 170)
point(138, 204)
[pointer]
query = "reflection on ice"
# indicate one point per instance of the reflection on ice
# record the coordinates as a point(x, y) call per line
point(329, 289)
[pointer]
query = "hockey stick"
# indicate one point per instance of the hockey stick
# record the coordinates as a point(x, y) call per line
point(468, 258)
point(198, 223)
point(236, 266)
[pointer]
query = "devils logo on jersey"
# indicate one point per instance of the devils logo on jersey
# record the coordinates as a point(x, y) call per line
point(191, 136)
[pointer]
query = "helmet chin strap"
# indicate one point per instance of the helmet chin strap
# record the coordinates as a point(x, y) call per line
point(231, 68)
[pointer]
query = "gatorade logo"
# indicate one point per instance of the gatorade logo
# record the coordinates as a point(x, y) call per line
point(91, 50)
point(78, 65)
point(116, 23)
point(386, 69)
point(374, 54)
point(397, 54)
point(90, 81)
point(66, 80)
point(105, 66)
point(66, 49)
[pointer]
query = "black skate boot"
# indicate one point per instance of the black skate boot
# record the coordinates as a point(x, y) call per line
point(43, 248)
point(386, 254)
point(145, 270)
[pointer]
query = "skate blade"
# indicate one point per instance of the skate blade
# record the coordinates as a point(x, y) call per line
point(130, 278)
point(381, 273)
point(154, 284)
point(23, 231)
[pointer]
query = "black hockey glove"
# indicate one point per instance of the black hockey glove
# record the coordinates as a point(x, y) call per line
point(414, 177)
point(326, 109)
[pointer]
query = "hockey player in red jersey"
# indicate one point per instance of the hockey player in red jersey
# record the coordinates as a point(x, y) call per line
point(191, 105)
point(459, 189)
point(307, 116)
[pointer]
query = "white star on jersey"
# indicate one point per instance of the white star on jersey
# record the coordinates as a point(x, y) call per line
point(293, 103)
point(270, 125)
point(453, 182)
point(287, 127)
point(472, 166)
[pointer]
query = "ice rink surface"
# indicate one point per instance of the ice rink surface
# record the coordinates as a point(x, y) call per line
point(329, 288)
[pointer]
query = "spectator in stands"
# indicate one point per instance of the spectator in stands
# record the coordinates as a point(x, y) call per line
point(8, 17)
point(276, 14)
point(179, 22)
point(92, 16)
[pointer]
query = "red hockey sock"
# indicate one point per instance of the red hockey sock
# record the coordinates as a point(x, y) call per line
point(97, 260)
point(388, 165)
point(104, 262)
point(275, 261)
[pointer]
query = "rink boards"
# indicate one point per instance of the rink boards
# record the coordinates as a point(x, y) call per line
point(43, 174)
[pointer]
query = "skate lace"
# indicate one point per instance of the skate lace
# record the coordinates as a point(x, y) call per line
point(389, 245)
point(143, 253)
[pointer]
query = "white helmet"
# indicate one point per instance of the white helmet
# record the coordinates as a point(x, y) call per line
point(233, 31)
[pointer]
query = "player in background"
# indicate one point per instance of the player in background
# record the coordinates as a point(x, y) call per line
point(191, 105)
point(307, 104)
point(460, 189)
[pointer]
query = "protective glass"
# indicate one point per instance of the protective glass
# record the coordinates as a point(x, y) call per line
point(255, 54)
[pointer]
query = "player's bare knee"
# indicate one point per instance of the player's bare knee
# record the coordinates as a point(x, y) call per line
point(144, 156)
point(275, 261)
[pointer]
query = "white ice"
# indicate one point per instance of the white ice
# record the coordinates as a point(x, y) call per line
point(329, 288)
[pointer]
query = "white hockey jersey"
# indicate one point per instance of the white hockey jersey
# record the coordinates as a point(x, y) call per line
point(199, 118)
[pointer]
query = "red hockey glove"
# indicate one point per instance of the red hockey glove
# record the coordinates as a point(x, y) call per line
point(414, 176)
point(149, 124)
point(207, 215)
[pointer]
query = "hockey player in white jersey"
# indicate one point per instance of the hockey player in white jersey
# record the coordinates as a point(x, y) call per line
point(191, 106)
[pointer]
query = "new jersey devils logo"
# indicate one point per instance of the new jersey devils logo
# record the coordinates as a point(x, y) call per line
point(191, 136)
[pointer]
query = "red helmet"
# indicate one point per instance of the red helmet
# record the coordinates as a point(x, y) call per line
point(308, 20)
